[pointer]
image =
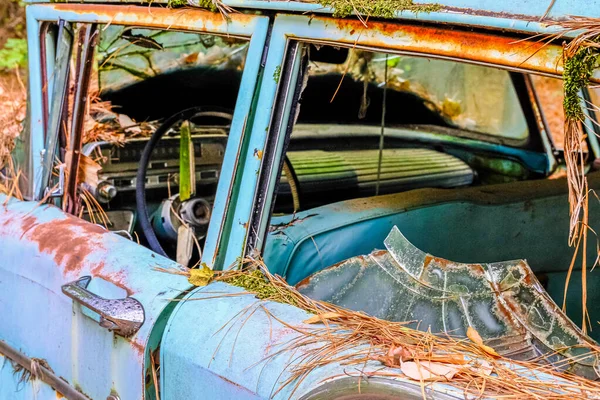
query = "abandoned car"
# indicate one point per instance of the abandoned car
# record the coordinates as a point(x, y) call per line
point(391, 166)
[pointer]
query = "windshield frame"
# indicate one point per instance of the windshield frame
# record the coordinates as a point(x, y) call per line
point(254, 28)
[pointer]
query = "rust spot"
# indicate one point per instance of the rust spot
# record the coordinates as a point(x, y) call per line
point(275, 338)
point(138, 347)
point(508, 50)
point(306, 281)
point(237, 385)
point(68, 240)
point(156, 17)
point(27, 223)
point(116, 278)
point(475, 270)
point(485, 13)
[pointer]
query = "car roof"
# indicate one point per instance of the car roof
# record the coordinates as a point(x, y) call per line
point(532, 10)
point(519, 15)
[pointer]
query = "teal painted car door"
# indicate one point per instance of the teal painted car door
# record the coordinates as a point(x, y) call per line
point(83, 305)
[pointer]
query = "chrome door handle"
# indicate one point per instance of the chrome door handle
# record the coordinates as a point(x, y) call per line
point(122, 316)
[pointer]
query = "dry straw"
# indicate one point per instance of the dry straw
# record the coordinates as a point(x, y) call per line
point(353, 338)
point(581, 57)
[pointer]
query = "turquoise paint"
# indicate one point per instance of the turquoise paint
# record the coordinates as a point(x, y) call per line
point(89, 356)
point(212, 362)
point(514, 15)
point(249, 168)
point(237, 144)
point(40, 321)
point(35, 118)
point(76, 347)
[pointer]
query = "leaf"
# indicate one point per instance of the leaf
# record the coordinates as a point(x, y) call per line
point(315, 319)
point(200, 277)
point(448, 359)
point(476, 338)
point(88, 170)
point(482, 367)
point(401, 353)
point(428, 371)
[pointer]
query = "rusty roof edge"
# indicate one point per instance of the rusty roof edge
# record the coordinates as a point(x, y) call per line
point(450, 14)
point(505, 19)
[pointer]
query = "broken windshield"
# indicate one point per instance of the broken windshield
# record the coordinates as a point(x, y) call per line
point(128, 55)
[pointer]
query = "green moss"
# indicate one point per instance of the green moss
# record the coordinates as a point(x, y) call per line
point(576, 75)
point(375, 8)
point(277, 74)
point(177, 3)
point(255, 282)
point(207, 4)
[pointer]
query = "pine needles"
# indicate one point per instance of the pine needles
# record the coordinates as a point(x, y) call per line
point(352, 338)
point(581, 59)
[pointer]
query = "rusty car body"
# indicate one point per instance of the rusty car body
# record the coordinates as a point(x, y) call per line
point(298, 136)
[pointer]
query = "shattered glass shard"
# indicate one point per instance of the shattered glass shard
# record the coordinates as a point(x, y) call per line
point(502, 301)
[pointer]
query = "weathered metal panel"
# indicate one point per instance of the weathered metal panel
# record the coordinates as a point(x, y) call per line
point(224, 239)
point(190, 19)
point(237, 353)
point(240, 25)
point(43, 249)
point(229, 357)
point(488, 11)
point(515, 15)
point(436, 42)
point(25, 389)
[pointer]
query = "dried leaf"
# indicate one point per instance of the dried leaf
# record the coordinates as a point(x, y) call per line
point(128, 124)
point(88, 170)
point(428, 371)
point(457, 359)
point(315, 319)
point(476, 338)
point(200, 277)
point(400, 353)
point(482, 367)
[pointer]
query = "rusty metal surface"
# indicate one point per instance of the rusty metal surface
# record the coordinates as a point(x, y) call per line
point(481, 12)
point(43, 249)
point(502, 301)
point(441, 41)
point(151, 17)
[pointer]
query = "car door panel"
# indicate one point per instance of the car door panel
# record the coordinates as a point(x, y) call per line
point(43, 249)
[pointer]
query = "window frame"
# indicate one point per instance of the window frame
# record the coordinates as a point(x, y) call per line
point(506, 51)
point(254, 28)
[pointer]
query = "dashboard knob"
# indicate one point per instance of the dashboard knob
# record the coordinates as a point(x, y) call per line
point(105, 192)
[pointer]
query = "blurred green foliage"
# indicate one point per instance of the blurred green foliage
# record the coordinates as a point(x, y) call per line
point(13, 54)
point(13, 46)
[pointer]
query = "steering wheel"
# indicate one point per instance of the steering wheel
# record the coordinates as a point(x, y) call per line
point(140, 186)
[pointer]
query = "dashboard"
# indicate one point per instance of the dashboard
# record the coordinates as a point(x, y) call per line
point(120, 163)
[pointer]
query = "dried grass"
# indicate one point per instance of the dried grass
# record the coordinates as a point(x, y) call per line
point(353, 339)
point(12, 113)
point(581, 59)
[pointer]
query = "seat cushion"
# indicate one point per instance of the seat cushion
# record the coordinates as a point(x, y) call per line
point(528, 220)
point(321, 171)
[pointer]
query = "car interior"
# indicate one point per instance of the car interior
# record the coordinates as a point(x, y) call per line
point(450, 153)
